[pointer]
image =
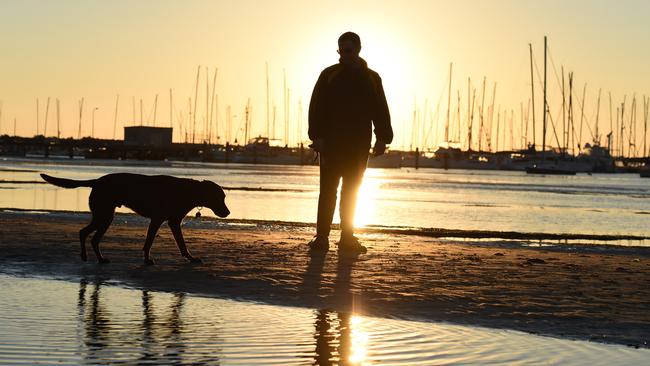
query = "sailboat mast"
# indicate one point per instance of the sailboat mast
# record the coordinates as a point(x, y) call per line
point(171, 103)
point(525, 140)
point(621, 136)
point(47, 110)
point(413, 124)
point(645, 125)
point(565, 130)
point(571, 138)
point(469, 116)
point(451, 64)
point(286, 127)
point(611, 125)
point(207, 105)
point(37, 116)
point(117, 102)
point(58, 119)
point(216, 117)
point(247, 116)
point(155, 109)
point(512, 129)
point(299, 134)
point(268, 121)
point(81, 108)
point(189, 118)
point(491, 119)
point(481, 115)
point(274, 116)
point(212, 101)
point(458, 115)
point(582, 116)
point(496, 143)
point(228, 124)
point(471, 120)
point(597, 116)
point(286, 119)
point(632, 130)
point(532, 89)
point(545, 104)
point(196, 97)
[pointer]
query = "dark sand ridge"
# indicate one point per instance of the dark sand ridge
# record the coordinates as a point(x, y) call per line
point(575, 293)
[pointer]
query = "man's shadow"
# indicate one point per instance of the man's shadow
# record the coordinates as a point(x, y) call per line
point(332, 326)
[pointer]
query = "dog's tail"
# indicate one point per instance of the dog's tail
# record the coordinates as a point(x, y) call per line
point(68, 183)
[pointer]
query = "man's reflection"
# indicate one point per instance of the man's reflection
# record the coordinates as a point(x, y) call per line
point(334, 329)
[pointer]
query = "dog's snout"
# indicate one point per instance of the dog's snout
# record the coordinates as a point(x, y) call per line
point(222, 212)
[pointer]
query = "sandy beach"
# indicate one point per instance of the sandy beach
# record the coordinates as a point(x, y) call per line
point(594, 293)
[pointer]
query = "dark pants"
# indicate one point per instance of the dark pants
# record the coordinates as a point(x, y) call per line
point(335, 167)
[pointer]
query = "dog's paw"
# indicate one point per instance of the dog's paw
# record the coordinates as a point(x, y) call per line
point(149, 261)
point(103, 260)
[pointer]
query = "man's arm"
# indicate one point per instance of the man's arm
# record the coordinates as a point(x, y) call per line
point(381, 116)
point(317, 113)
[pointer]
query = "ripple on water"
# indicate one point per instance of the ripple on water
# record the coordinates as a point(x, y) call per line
point(47, 321)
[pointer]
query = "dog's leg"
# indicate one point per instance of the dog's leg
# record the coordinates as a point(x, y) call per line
point(151, 235)
point(103, 222)
point(175, 225)
point(83, 234)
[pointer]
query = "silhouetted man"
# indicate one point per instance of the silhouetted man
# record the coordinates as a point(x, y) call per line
point(347, 100)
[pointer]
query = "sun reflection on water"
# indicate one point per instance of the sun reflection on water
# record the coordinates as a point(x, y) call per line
point(359, 341)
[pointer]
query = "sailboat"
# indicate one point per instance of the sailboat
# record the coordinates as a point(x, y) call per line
point(553, 163)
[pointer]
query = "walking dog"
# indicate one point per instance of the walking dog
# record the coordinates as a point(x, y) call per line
point(160, 198)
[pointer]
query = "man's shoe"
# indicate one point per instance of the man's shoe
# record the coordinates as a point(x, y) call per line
point(319, 244)
point(351, 245)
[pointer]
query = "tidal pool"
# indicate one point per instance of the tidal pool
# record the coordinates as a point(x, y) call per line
point(90, 321)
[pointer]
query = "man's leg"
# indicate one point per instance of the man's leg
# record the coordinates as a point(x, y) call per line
point(352, 179)
point(329, 184)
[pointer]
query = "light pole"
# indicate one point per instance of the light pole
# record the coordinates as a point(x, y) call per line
point(93, 124)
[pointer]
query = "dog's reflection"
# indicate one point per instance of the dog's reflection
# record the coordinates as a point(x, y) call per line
point(167, 331)
point(159, 337)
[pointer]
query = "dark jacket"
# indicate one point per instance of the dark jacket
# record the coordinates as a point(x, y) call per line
point(345, 103)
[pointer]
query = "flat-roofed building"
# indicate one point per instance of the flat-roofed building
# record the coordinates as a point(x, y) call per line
point(148, 136)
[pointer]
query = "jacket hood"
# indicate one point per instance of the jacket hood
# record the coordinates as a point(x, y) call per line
point(362, 64)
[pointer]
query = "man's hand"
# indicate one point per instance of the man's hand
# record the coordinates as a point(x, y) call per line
point(379, 149)
point(317, 145)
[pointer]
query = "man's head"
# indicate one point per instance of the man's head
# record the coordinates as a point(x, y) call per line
point(349, 47)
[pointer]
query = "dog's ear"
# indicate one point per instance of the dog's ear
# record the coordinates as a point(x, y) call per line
point(208, 184)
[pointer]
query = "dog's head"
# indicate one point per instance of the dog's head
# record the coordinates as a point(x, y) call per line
point(215, 198)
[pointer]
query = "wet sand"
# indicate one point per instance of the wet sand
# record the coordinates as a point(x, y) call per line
point(580, 293)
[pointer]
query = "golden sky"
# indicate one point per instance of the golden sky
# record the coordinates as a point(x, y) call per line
point(137, 49)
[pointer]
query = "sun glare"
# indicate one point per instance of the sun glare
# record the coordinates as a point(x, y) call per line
point(369, 192)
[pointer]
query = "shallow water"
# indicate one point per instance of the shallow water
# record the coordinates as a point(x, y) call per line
point(454, 199)
point(94, 322)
